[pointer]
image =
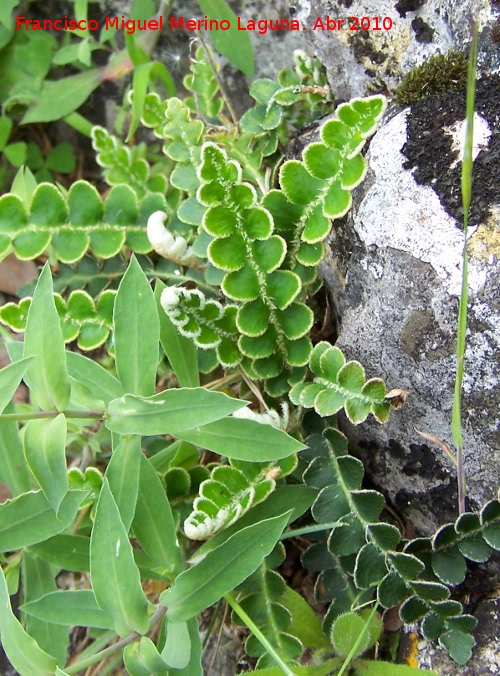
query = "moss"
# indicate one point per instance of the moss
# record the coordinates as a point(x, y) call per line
point(439, 74)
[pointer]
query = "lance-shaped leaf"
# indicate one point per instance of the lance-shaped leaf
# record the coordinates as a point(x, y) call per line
point(114, 574)
point(177, 649)
point(13, 470)
point(170, 411)
point(137, 332)
point(180, 351)
point(96, 378)
point(37, 581)
point(23, 651)
point(70, 607)
point(29, 518)
point(45, 451)
point(242, 440)
point(10, 378)
point(47, 375)
point(154, 524)
point(222, 569)
point(122, 474)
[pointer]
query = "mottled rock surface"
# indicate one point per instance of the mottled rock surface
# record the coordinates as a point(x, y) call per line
point(362, 61)
point(400, 283)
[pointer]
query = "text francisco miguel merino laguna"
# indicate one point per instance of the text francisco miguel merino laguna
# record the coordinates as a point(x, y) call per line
point(130, 26)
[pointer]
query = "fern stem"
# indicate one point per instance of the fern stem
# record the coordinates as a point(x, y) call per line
point(258, 634)
point(467, 164)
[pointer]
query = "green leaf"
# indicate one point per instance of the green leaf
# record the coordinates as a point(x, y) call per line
point(23, 651)
point(45, 451)
point(345, 633)
point(406, 565)
point(298, 185)
point(68, 552)
point(71, 607)
point(150, 657)
point(10, 378)
point(37, 581)
point(177, 649)
point(376, 668)
point(154, 525)
point(225, 40)
point(458, 644)
point(169, 412)
point(47, 376)
point(123, 476)
point(96, 378)
point(305, 624)
point(222, 569)
point(13, 469)
point(241, 439)
point(115, 577)
point(29, 518)
point(59, 99)
point(449, 565)
point(392, 590)
point(384, 535)
point(413, 609)
point(370, 567)
point(490, 519)
point(137, 332)
point(297, 496)
point(181, 352)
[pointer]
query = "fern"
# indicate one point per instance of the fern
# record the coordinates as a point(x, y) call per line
point(81, 318)
point(368, 555)
point(230, 492)
point(69, 226)
point(263, 596)
point(126, 165)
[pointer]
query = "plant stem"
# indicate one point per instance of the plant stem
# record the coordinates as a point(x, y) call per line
point(79, 123)
point(467, 164)
point(313, 528)
point(18, 417)
point(112, 649)
point(258, 634)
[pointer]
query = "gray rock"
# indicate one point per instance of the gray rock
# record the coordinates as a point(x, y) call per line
point(400, 283)
point(360, 61)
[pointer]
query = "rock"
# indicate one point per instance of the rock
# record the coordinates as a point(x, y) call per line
point(397, 261)
point(363, 61)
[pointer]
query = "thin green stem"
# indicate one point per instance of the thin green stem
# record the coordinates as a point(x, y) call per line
point(19, 417)
point(79, 123)
point(314, 528)
point(258, 634)
point(112, 649)
point(467, 165)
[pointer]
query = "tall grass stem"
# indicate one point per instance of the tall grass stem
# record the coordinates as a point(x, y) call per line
point(467, 165)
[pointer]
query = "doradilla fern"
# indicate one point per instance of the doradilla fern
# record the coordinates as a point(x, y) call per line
point(231, 491)
point(365, 556)
point(267, 247)
point(70, 225)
